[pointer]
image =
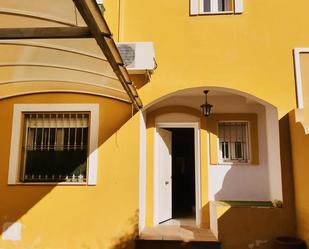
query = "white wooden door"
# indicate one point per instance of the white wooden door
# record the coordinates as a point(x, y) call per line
point(165, 174)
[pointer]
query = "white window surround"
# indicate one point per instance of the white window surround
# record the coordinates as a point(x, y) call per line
point(197, 7)
point(15, 151)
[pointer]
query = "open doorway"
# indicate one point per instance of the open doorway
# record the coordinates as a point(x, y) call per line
point(183, 173)
point(176, 174)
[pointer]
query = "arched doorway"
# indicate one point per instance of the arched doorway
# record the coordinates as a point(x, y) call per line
point(255, 178)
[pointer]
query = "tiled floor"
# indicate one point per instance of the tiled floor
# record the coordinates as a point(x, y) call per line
point(180, 229)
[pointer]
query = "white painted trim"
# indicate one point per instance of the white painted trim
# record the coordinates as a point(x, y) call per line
point(196, 126)
point(214, 6)
point(299, 84)
point(16, 136)
point(194, 8)
point(142, 173)
point(213, 218)
point(273, 152)
point(238, 6)
point(156, 179)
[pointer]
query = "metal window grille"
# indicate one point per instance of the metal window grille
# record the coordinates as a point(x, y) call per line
point(55, 147)
point(233, 141)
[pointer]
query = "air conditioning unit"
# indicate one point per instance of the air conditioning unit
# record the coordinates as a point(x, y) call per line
point(138, 57)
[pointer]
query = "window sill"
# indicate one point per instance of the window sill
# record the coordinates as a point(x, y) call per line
point(50, 184)
point(217, 13)
point(246, 204)
point(221, 164)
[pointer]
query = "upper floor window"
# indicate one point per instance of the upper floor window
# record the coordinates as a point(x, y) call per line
point(215, 6)
point(233, 141)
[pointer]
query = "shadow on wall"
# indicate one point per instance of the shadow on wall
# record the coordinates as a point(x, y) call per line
point(241, 182)
point(126, 239)
point(260, 225)
point(235, 188)
point(140, 80)
point(16, 201)
point(300, 145)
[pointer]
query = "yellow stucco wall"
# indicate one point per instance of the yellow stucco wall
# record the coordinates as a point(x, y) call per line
point(250, 52)
point(112, 14)
point(101, 216)
point(300, 145)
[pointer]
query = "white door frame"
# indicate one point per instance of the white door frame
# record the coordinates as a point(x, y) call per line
point(196, 126)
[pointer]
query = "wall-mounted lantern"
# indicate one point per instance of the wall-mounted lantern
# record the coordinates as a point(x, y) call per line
point(206, 108)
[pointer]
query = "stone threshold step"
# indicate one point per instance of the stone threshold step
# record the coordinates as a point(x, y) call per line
point(176, 244)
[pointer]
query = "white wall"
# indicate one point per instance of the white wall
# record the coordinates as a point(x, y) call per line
point(249, 182)
point(142, 173)
point(273, 148)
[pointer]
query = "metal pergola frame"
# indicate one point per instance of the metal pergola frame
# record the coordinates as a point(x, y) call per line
point(97, 28)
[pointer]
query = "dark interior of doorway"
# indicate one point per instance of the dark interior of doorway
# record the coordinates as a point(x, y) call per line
point(183, 173)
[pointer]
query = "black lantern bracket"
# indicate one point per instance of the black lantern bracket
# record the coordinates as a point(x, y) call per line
point(206, 108)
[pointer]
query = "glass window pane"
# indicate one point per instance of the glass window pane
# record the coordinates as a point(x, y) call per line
point(225, 5)
point(222, 149)
point(238, 150)
point(221, 5)
point(226, 150)
point(228, 5)
point(206, 4)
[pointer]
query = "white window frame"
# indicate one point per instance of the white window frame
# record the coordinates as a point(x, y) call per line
point(197, 7)
point(16, 139)
point(214, 8)
point(248, 145)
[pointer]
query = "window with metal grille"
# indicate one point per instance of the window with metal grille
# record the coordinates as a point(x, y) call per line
point(233, 141)
point(55, 147)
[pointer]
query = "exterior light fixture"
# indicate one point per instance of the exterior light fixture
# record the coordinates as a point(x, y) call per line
point(206, 108)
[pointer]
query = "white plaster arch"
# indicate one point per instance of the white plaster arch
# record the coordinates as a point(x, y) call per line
point(268, 125)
